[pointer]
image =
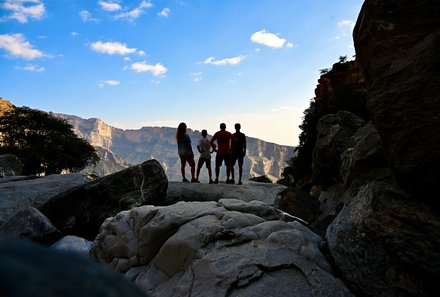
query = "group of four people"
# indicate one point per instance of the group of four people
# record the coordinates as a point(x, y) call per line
point(230, 149)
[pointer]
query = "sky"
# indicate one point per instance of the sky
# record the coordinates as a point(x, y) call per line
point(162, 62)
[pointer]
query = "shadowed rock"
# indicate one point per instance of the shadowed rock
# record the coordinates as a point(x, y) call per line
point(28, 269)
point(81, 210)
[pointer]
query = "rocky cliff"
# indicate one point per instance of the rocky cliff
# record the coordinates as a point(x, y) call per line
point(119, 148)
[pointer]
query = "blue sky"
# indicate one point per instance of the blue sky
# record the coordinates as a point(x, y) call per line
point(162, 62)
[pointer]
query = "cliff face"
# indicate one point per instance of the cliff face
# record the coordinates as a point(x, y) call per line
point(5, 106)
point(119, 148)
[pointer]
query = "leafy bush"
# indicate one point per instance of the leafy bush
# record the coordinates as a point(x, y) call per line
point(43, 143)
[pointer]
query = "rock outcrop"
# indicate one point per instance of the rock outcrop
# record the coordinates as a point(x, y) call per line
point(81, 210)
point(225, 248)
point(383, 219)
point(386, 244)
point(31, 224)
point(397, 46)
point(178, 191)
point(22, 191)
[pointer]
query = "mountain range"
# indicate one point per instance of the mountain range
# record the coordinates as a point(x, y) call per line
point(118, 149)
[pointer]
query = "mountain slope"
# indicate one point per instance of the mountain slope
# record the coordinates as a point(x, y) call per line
point(120, 148)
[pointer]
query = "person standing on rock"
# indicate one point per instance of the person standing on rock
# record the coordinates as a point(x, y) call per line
point(185, 152)
point(204, 148)
point(224, 152)
point(238, 152)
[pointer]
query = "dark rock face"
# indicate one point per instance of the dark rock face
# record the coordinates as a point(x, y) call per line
point(81, 210)
point(297, 203)
point(334, 133)
point(28, 269)
point(31, 224)
point(387, 244)
point(397, 45)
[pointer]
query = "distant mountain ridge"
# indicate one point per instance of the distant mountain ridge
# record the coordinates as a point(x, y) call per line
point(120, 148)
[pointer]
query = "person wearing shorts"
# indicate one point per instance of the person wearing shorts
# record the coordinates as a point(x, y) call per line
point(224, 141)
point(185, 152)
point(204, 148)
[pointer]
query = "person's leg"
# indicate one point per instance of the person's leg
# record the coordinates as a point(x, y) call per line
point(199, 166)
point(240, 169)
point(182, 168)
point(218, 163)
point(208, 166)
point(192, 165)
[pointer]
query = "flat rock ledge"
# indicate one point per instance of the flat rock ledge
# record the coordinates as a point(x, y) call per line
point(248, 191)
point(225, 248)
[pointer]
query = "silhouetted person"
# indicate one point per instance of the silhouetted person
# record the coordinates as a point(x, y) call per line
point(238, 152)
point(185, 152)
point(204, 148)
point(224, 152)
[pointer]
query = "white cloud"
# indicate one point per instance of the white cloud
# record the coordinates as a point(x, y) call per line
point(87, 17)
point(196, 76)
point(157, 69)
point(109, 6)
point(74, 34)
point(269, 39)
point(17, 46)
point(346, 23)
point(112, 48)
point(31, 68)
point(22, 10)
point(227, 61)
point(164, 13)
point(135, 13)
point(110, 83)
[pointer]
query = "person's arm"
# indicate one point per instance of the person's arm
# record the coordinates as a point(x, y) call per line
point(244, 145)
point(214, 147)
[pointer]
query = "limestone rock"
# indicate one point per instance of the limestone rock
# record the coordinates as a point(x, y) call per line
point(74, 244)
point(22, 191)
point(10, 165)
point(387, 245)
point(31, 224)
point(29, 269)
point(397, 46)
point(81, 210)
point(178, 191)
point(220, 248)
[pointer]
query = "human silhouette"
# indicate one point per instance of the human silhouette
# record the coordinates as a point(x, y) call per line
point(185, 152)
point(204, 148)
point(238, 152)
point(224, 152)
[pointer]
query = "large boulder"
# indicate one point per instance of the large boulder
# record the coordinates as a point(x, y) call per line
point(81, 210)
point(31, 224)
point(225, 248)
point(397, 44)
point(29, 269)
point(23, 191)
point(387, 245)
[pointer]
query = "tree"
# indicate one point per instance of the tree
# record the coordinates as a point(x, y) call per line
point(43, 143)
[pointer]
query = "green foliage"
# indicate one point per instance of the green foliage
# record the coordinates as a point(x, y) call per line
point(43, 143)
